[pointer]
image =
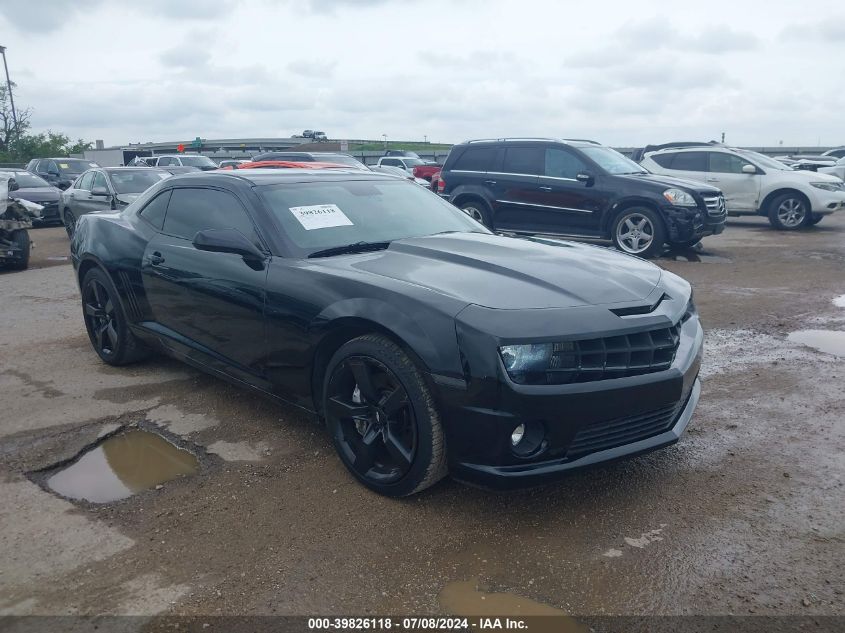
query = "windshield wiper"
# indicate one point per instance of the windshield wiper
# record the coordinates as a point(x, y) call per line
point(357, 247)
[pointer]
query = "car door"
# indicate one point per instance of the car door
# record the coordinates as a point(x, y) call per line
point(515, 187)
point(100, 198)
point(569, 206)
point(690, 165)
point(78, 195)
point(741, 190)
point(208, 306)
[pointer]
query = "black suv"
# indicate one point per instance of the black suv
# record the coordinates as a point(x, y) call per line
point(59, 172)
point(579, 188)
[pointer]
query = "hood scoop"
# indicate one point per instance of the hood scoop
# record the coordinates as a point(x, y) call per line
point(634, 310)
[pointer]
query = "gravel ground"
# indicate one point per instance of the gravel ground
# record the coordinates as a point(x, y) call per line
point(743, 516)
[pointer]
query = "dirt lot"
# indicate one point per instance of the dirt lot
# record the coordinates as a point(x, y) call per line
point(743, 516)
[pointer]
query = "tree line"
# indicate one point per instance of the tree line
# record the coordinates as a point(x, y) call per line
point(18, 144)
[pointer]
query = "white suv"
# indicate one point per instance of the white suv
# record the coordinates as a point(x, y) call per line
point(753, 184)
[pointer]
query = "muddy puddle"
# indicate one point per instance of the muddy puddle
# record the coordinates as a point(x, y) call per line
point(121, 466)
point(465, 598)
point(828, 341)
point(693, 256)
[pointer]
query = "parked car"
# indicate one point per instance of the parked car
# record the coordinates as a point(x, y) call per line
point(807, 161)
point(105, 188)
point(580, 188)
point(59, 172)
point(399, 173)
point(837, 169)
point(303, 157)
point(837, 152)
point(427, 344)
point(182, 160)
point(405, 163)
point(231, 162)
point(16, 217)
point(287, 164)
point(36, 189)
point(754, 184)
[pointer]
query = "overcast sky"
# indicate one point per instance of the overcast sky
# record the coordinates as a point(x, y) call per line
point(621, 72)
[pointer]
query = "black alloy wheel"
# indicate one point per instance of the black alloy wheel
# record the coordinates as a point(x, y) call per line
point(69, 220)
point(382, 418)
point(106, 323)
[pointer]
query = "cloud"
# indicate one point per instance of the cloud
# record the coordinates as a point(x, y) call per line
point(45, 16)
point(185, 56)
point(313, 68)
point(824, 31)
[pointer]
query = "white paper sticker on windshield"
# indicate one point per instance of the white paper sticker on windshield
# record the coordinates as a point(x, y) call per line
point(320, 216)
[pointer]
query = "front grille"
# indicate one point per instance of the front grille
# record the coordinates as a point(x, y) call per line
point(715, 205)
point(613, 356)
point(621, 431)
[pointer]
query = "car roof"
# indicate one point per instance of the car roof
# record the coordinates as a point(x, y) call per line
point(279, 176)
point(129, 168)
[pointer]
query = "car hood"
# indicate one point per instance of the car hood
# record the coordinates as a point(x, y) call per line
point(37, 194)
point(805, 175)
point(510, 273)
point(661, 181)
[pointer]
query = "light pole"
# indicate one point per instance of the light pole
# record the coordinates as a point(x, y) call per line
point(9, 87)
point(425, 138)
point(384, 136)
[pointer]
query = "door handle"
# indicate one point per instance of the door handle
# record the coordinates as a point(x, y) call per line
point(489, 182)
point(545, 188)
point(156, 259)
point(71, 195)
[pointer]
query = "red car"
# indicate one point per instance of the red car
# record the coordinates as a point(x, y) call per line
point(426, 171)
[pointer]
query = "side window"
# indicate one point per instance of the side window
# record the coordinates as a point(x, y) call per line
point(664, 160)
point(476, 159)
point(194, 210)
point(392, 162)
point(726, 163)
point(155, 210)
point(100, 181)
point(563, 164)
point(690, 161)
point(50, 166)
point(524, 160)
point(86, 181)
point(166, 161)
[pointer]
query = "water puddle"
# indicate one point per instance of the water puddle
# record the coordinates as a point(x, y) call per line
point(122, 465)
point(828, 341)
point(466, 599)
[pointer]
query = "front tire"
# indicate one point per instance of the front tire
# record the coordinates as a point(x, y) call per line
point(106, 322)
point(22, 241)
point(69, 220)
point(382, 417)
point(639, 231)
point(788, 212)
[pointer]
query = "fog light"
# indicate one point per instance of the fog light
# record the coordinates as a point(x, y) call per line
point(528, 439)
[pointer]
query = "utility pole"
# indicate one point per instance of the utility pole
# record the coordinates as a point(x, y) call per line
point(9, 87)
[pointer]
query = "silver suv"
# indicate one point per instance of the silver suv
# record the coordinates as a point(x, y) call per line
point(753, 184)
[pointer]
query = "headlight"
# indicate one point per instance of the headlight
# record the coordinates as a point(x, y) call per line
point(523, 359)
point(828, 186)
point(679, 198)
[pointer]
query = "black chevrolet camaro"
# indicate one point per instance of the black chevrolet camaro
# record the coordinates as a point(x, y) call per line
point(427, 344)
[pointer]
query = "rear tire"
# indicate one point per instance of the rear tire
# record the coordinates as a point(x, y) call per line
point(478, 211)
point(788, 212)
point(22, 241)
point(106, 323)
point(382, 417)
point(638, 231)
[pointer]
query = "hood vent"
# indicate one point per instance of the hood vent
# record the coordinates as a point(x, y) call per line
point(623, 312)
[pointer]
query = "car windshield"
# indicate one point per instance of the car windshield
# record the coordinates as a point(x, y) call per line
point(135, 180)
point(26, 180)
point(319, 215)
point(762, 160)
point(74, 167)
point(198, 161)
point(612, 161)
point(413, 162)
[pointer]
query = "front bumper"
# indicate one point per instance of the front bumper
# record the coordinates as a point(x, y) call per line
point(631, 415)
point(685, 223)
point(827, 202)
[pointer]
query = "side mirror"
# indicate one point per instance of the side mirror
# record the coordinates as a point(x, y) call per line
point(100, 191)
point(749, 169)
point(229, 241)
point(586, 177)
point(13, 185)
